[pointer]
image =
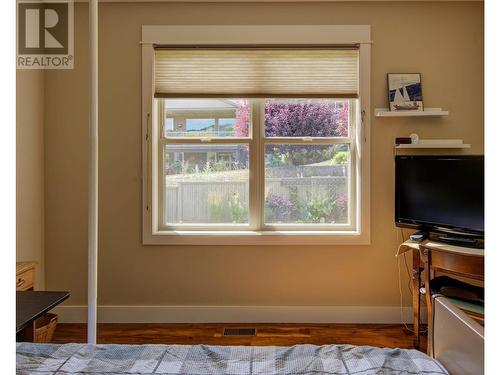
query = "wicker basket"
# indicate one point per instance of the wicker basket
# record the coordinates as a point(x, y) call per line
point(45, 328)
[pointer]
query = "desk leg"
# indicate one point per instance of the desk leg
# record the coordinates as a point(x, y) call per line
point(428, 299)
point(416, 274)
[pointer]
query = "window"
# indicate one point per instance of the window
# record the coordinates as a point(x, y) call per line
point(306, 147)
point(253, 142)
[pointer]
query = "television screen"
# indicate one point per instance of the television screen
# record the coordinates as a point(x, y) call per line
point(441, 191)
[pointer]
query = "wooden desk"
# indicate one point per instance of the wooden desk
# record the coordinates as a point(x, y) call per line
point(431, 256)
point(31, 305)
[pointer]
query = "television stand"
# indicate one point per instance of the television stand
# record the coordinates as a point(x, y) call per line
point(431, 256)
point(457, 240)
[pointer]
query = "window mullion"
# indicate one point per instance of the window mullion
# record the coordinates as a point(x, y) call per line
point(307, 141)
point(262, 145)
point(205, 141)
point(256, 167)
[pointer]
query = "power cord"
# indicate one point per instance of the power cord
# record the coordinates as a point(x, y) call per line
point(401, 297)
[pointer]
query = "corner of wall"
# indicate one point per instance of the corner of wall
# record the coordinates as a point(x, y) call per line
point(30, 243)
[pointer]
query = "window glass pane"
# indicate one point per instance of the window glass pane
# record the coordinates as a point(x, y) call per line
point(200, 125)
point(307, 184)
point(206, 184)
point(306, 118)
point(207, 117)
point(169, 124)
point(226, 127)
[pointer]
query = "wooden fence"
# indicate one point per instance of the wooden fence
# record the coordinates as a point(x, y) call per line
point(196, 201)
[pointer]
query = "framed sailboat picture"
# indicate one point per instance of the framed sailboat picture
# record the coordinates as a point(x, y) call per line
point(405, 92)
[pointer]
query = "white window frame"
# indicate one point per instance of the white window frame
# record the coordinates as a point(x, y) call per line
point(358, 234)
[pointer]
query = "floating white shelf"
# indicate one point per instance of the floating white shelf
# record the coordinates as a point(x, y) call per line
point(385, 112)
point(436, 145)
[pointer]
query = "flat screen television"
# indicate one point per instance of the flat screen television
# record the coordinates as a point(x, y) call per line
point(441, 193)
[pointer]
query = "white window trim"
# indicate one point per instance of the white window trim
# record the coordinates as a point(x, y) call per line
point(255, 35)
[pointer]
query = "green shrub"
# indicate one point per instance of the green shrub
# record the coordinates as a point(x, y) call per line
point(237, 209)
point(216, 206)
point(320, 209)
point(341, 157)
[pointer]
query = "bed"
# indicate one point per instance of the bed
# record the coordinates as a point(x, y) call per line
point(68, 359)
point(457, 345)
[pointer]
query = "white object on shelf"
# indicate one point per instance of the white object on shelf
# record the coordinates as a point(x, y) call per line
point(414, 138)
point(385, 112)
point(436, 143)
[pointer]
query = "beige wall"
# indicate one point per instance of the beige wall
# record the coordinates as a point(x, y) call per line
point(30, 170)
point(442, 40)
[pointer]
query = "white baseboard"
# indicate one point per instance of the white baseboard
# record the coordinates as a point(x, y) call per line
point(238, 314)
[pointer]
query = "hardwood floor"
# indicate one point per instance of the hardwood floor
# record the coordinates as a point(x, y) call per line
point(381, 335)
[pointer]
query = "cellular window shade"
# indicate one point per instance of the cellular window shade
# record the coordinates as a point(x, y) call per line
point(256, 72)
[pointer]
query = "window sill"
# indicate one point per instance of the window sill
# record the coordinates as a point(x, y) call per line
point(256, 238)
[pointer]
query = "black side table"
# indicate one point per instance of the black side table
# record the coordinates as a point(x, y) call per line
point(31, 305)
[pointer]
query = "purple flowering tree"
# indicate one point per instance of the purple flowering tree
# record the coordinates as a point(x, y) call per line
point(306, 118)
point(298, 118)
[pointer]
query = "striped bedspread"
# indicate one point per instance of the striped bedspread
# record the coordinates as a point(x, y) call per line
point(51, 359)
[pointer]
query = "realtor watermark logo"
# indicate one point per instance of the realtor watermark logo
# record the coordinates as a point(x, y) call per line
point(45, 34)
